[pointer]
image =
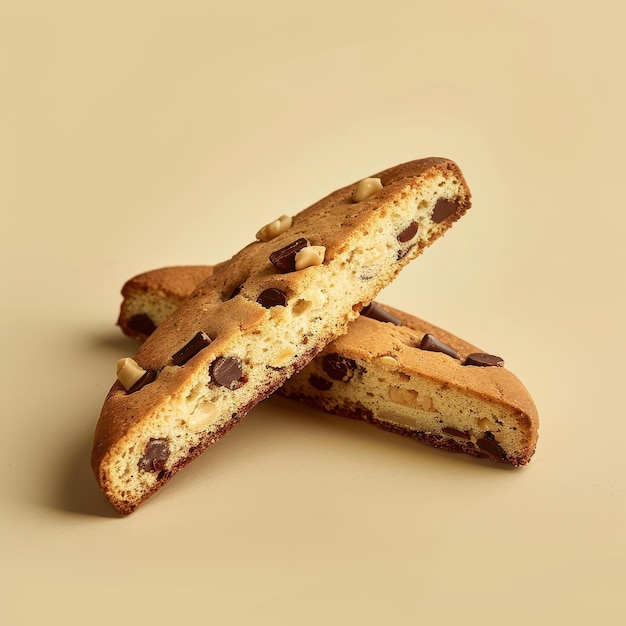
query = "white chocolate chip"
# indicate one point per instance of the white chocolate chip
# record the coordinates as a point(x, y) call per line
point(129, 372)
point(366, 188)
point(309, 257)
point(275, 228)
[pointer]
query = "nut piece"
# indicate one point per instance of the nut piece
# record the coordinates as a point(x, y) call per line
point(366, 188)
point(411, 399)
point(372, 255)
point(129, 372)
point(283, 357)
point(202, 415)
point(310, 256)
point(404, 396)
point(275, 228)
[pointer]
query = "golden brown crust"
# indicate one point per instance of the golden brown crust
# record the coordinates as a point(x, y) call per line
point(365, 341)
point(143, 438)
point(177, 282)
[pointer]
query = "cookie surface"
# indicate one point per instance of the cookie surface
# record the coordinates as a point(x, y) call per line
point(257, 320)
point(389, 375)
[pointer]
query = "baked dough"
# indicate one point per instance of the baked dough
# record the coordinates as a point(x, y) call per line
point(398, 378)
point(257, 320)
point(377, 372)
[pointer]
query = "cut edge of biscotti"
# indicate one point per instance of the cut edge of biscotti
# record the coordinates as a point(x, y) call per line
point(257, 331)
point(151, 297)
point(378, 373)
point(416, 379)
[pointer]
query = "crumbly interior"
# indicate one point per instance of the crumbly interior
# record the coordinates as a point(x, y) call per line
point(419, 394)
point(156, 306)
point(186, 408)
point(428, 395)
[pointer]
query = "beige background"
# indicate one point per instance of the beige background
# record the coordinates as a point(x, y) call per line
point(137, 135)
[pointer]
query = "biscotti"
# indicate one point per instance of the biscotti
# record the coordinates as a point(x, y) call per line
point(407, 376)
point(261, 317)
point(150, 298)
point(390, 369)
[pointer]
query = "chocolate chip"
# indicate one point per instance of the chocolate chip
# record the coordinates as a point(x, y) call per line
point(408, 233)
point(338, 367)
point(484, 360)
point(376, 312)
point(444, 208)
point(227, 371)
point(146, 379)
point(432, 344)
point(142, 323)
point(455, 432)
point(489, 445)
point(285, 258)
point(155, 455)
point(320, 383)
point(272, 297)
point(199, 341)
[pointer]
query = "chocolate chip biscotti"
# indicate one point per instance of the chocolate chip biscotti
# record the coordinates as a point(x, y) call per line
point(261, 317)
point(390, 369)
point(407, 376)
